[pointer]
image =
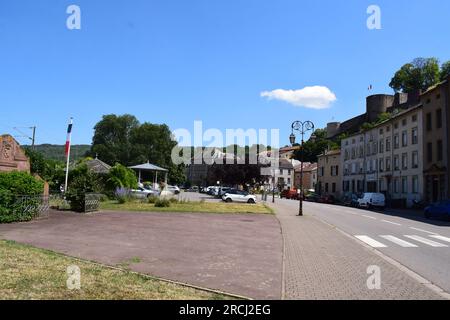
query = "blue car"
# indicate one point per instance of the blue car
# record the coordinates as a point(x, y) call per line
point(439, 210)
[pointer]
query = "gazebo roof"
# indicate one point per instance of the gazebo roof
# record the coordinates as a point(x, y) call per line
point(149, 167)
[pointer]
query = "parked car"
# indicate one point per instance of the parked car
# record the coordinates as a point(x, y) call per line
point(350, 200)
point(328, 199)
point(221, 191)
point(174, 189)
point(290, 194)
point(238, 196)
point(193, 189)
point(144, 193)
point(439, 210)
point(372, 200)
point(312, 197)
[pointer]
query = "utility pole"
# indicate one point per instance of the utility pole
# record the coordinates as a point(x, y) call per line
point(33, 137)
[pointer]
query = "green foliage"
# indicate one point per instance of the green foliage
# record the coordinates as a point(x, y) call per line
point(12, 185)
point(381, 118)
point(81, 181)
point(420, 74)
point(445, 70)
point(311, 149)
point(57, 152)
point(50, 170)
point(121, 177)
point(162, 203)
point(122, 139)
point(152, 199)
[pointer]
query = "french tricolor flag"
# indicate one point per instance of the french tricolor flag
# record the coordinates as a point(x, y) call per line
point(69, 132)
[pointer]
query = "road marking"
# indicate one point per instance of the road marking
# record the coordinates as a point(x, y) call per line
point(371, 242)
point(441, 238)
point(421, 230)
point(400, 242)
point(395, 223)
point(363, 215)
point(427, 241)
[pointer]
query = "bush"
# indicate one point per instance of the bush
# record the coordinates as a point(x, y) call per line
point(173, 200)
point(123, 195)
point(121, 177)
point(152, 199)
point(162, 203)
point(12, 186)
point(81, 181)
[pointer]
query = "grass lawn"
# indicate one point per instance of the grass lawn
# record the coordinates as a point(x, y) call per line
point(202, 207)
point(31, 273)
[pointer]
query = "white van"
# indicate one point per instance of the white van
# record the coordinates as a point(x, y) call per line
point(372, 200)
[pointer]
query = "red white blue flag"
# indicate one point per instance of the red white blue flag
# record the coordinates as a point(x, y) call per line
point(69, 132)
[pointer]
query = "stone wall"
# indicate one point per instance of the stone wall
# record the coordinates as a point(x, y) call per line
point(12, 156)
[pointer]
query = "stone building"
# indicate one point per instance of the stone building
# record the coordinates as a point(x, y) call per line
point(436, 145)
point(386, 158)
point(12, 156)
point(309, 175)
point(329, 173)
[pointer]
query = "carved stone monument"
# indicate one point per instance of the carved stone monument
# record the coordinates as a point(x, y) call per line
point(12, 156)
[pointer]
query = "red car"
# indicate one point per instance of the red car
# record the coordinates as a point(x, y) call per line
point(289, 194)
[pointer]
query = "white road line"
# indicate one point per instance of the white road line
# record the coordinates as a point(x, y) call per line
point(441, 238)
point(371, 242)
point(421, 230)
point(395, 223)
point(400, 242)
point(427, 241)
point(363, 215)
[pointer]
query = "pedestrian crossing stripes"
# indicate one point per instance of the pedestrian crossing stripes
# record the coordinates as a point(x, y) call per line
point(413, 241)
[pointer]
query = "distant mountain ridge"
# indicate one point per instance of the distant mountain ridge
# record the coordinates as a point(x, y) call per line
point(56, 152)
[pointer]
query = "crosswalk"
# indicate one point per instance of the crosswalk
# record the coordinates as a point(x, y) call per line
point(406, 241)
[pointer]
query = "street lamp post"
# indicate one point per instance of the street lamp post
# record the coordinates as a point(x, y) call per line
point(301, 128)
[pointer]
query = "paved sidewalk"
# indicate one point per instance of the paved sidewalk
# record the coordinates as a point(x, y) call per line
point(322, 263)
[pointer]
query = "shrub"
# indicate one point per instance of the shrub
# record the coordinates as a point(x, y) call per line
point(173, 200)
point(162, 203)
point(81, 181)
point(123, 195)
point(12, 186)
point(152, 199)
point(121, 177)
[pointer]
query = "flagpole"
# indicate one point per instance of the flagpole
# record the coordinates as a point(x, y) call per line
point(69, 131)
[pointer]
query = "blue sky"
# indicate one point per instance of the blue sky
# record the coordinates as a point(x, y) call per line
point(174, 61)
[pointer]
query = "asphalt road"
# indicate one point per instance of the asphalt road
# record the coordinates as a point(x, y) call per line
point(419, 244)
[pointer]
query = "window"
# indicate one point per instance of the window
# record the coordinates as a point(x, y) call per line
point(361, 152)
point(415, 160)
point(429, 122)
point(326, 187)
point(414, 118)
point(439, 150)
point(388, 144)
point(414, 136)
point(388, 129)
point(388, 164)
point(281, 171)
point(381, 131)
point(375, 148)
point(289, 172)
point(381, 146)
point(404, 138)
point(404, 122)
point(404, 161)
point(381, 165)
point(439, 118)
point(333, 187)
point(396, 163)
point(415, 184)
point(396, 142)
point(396, 185)
point(404, 184)
point(396, 125)
point(430, 152)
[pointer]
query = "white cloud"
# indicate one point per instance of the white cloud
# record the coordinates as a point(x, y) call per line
point(316, 97)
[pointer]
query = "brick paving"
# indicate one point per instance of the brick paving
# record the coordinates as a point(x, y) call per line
point(322, 263)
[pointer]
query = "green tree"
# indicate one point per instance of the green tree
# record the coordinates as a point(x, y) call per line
point(112, 138)
point(445, 70)
point(421, 73)
point(314, 148)
point(121, 177)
